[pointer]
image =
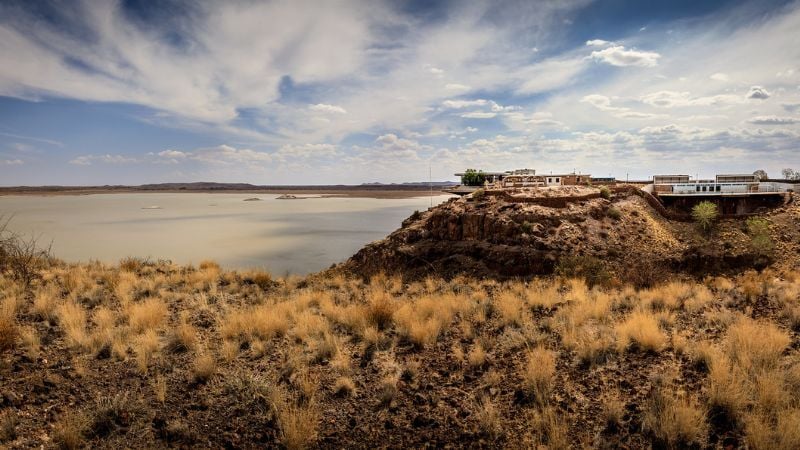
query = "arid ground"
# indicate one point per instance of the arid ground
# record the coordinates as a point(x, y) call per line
point(150, 354)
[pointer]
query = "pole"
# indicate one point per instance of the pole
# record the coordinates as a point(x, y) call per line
point(430, 184)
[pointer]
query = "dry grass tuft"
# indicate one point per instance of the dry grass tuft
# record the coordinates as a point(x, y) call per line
point(204, 367)
point(182, 338)
point(756, 346)
point(344, 387)
point(509, 308)
point(537, 375)
point(490, 422)
point(547, 430)
point(640, 331)
point(72, 319)
point(674, 422)
point(150, 314)
point(69, 431)
point(8, 324)
point(8, 426)
point(145, 346)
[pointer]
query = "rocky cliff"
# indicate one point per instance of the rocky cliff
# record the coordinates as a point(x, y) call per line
point(500, 236)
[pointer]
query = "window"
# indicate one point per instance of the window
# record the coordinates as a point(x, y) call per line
point(549, 180)
point(698, 188)
point(719, 188)
point(558, 180)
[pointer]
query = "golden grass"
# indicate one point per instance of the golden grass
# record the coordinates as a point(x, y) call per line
point(490, 421)
point(150, 314)
point(538, 373)
point(755, 346)
point(204, 367)
point(344, 333)
point(640, 331)
point(677, 422)
point(146, 345)
point(72, 319)
point(344, 387)
point(8, 324)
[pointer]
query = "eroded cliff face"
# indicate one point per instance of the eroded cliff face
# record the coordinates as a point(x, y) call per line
point(495, 237)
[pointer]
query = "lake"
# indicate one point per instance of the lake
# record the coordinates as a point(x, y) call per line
point(281, 236)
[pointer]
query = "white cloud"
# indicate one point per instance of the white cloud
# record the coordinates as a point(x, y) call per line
point(673, 99)
point(758, 92)
point(323, 107)
point(719, 76)
point(456, 87)
point(597, 43)
point(479, 115)
point(600, 102)
point(774, 120)
point(88, 160)
point(175, 154)
point(11, 162)
point(620, 56)
point(459, 104)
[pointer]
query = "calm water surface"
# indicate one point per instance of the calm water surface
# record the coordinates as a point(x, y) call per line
point(282, 236)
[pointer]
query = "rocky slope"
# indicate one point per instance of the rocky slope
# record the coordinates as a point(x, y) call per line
point(500, 237)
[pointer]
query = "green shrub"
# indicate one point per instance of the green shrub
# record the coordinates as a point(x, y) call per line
point(614, 213)
point(605, 192)
point(473, 177)
point(526, 227)
point(760, 240)
point(705, 214)
point(592, 269)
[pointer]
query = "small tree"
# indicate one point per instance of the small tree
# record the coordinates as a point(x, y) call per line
point(790, 174)
point(761, 174)
point(705, 214)
point(473, 177)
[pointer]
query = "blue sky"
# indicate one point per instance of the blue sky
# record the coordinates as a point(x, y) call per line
point(307, 92)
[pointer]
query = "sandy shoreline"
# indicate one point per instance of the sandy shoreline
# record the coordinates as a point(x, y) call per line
point(324, 193)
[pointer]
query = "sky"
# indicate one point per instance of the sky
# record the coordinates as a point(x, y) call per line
point(348, 92)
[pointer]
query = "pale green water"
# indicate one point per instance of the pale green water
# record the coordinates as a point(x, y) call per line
point(294, 236)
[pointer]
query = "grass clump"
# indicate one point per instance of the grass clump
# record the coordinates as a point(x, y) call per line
point(537, 375)
point(640, 331)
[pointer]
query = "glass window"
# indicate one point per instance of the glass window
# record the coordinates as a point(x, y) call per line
point(698, 188)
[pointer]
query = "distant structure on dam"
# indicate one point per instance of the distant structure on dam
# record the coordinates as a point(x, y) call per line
point(734, 194)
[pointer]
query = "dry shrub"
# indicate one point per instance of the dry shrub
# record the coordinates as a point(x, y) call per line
point(422, 321)
point(159, 384)
point(543, 294)
point(640, 331)
point(344, 387)
point(674, 422)
point(298, 423)
point(150, 314)
point(755, 345)
point(182, 338)
point(44, 303)
point(145, 346)
point(72, 319)
point(309, 326)
point(613, 411)
point(728, 393)
point(509, 308)
point(537, 375)
point(30, 342)
point(8, 426)
point(380, 309)
point(782, 433)
point(204, 367)
point(263, 322)
point(547, 430)
point(387, 389)
point(490, 422)
point(476, 356)
point(69, 430)
point(8, 324)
